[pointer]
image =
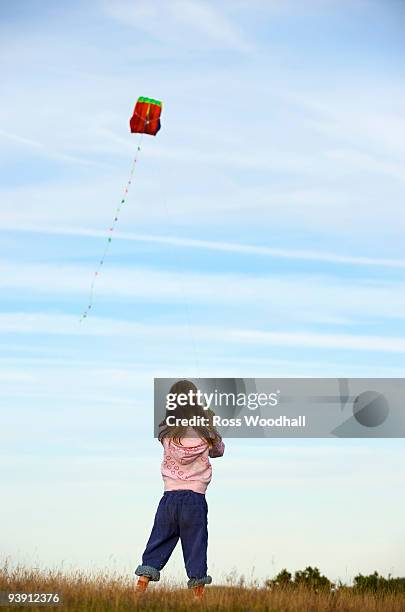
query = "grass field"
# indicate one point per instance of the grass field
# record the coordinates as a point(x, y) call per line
point(101, 592)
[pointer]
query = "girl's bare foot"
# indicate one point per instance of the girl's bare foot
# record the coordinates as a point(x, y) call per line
point(142, 585)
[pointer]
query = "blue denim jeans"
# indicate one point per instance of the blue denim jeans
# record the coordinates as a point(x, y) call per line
point(180, 515)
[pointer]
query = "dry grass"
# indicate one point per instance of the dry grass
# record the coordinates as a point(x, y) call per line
point(102, 592)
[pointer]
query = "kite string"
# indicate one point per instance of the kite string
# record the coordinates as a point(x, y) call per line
point(110, 232)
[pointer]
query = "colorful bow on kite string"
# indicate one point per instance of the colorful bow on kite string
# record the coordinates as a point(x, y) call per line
point(145, 120)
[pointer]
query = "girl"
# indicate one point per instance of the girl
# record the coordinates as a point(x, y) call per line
point(182, 511)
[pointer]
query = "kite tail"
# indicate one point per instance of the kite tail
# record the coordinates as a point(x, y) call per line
point(111, 229)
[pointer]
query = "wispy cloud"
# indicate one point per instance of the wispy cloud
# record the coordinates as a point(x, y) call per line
point(39, 323)
point(358, 160)
point(45, 150)
point(179, 21)
point(323, 299)
point(211, 245)
point(379, 127)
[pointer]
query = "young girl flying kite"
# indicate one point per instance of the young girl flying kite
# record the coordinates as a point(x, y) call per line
point(182, 511)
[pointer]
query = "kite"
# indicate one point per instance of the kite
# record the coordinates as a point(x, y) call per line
point(146, 117)
point(145, 120)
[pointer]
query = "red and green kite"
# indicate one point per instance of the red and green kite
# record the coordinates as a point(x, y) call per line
point(146, 116)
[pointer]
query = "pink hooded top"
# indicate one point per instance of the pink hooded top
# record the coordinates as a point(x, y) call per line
point(187, 465)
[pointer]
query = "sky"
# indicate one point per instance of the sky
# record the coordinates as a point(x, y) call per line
point(262, 236)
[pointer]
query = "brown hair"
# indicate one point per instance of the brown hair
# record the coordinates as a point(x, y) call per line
point(208, 433)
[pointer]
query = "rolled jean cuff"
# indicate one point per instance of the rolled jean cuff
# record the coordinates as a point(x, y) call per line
point(148, 571)
point(193, 582)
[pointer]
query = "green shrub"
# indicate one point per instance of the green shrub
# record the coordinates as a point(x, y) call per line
point(310, 578)
point(374, 583)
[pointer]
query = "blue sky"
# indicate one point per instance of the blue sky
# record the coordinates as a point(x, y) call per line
point(263, 236)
